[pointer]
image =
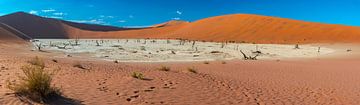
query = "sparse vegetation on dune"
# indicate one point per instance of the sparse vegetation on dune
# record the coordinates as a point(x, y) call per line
point(37, 62)
point(192, 70)
point(36, 84)
point(164, 68)
point(138, 75)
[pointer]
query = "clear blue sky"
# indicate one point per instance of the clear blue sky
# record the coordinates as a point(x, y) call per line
point(149, 12)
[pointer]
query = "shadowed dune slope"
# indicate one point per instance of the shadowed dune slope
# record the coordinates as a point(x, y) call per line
point(40, 27)
point(8, 37)
point(161, 31)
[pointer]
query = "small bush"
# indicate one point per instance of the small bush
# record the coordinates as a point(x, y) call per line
point(36, 84)
point(138, 75)
point(164, 68)
point(223, 62)
point(192, 70)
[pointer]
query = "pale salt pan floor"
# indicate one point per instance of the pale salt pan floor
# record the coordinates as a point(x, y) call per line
point(148, 50)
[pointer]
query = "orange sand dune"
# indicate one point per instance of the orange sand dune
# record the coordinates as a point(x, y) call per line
point(242, 28)
point(237, 27)
point(40, 27)
point(263, 29)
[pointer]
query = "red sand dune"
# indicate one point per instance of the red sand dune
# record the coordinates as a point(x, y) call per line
point(40, 27)
point(237, 27)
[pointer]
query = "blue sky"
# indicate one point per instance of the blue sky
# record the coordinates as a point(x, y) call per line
point(149, 12)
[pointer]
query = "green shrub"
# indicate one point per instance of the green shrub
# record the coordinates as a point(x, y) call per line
point(36, 84)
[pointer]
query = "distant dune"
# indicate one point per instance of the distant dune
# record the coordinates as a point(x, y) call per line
point(40, 27)
point(263, 29)
point(237, 27)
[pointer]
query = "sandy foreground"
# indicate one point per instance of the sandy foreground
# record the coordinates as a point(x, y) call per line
point(330, 79)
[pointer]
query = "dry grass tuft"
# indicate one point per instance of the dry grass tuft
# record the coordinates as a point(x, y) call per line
point(137, 75)
point(192, 70)
point(36, 84)
point(164, 68)
point(37, 62)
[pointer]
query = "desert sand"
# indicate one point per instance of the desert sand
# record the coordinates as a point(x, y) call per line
point(332, 79)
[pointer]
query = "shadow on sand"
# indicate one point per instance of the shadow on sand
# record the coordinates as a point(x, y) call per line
point(53, 100)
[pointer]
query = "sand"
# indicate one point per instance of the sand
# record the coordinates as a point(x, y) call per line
point(331, 79)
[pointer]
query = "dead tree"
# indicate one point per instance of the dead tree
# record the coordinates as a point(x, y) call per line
point(297, 46)
point(153, 41)
point(77, 41)
point(52, 44)
point(144, 41)
point(39, 46)
point(319, 49)
point(97, 43)
point(249, 57)
point(173, 52)
point(62, 47)
point(222, 45)
point(193, 44)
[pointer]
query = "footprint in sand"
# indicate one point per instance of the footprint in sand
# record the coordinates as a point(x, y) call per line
point(169, 85)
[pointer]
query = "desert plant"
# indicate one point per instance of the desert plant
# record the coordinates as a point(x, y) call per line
point(137, 75)
point(164, 68)
point(192, 70)
point(36, 84)
point(37, 62)
point(223, 62)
